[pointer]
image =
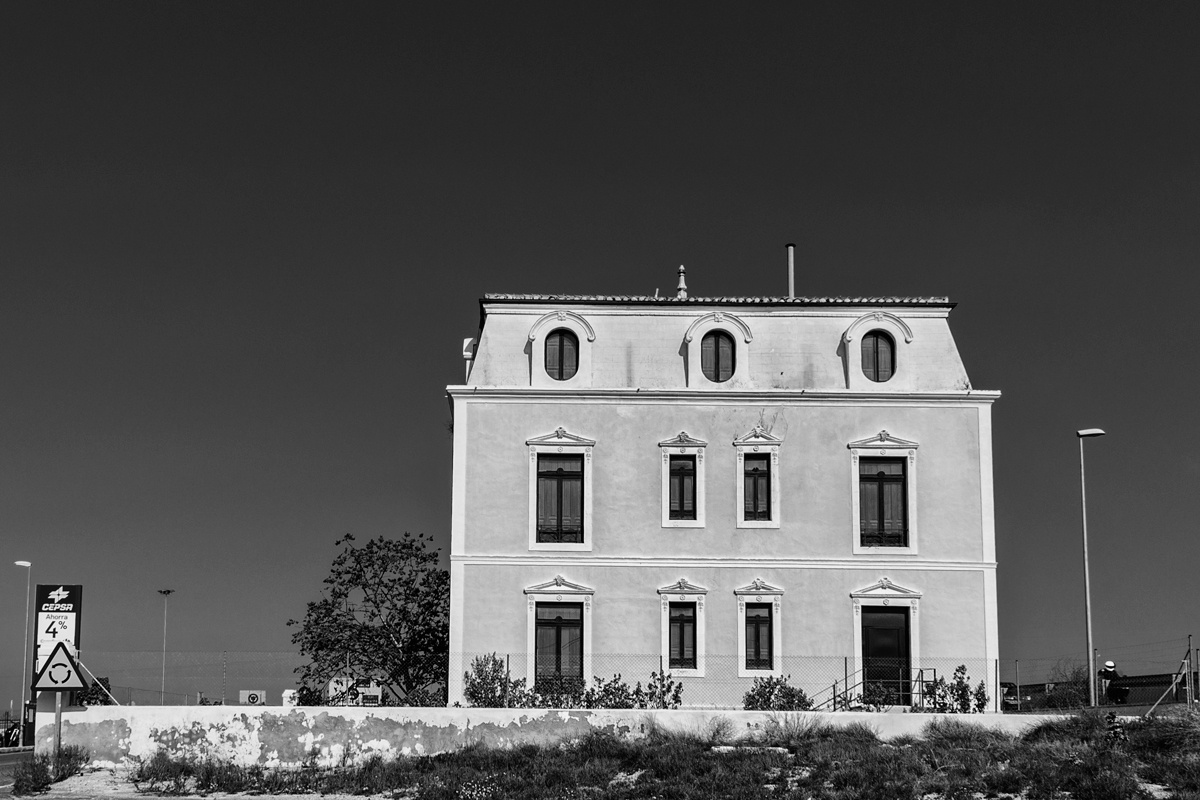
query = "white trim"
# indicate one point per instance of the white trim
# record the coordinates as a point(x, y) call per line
point(757, 441)
point(558, 590)
point(894, 327)
point(683, 592)
point(886, 593)
point(682, 445)
point(884, 445)
point(565, 443)
point(701, 562)
point(744, 397)
point(544, 326)
point(457, 600)
point(732, 325)
point(760, 592)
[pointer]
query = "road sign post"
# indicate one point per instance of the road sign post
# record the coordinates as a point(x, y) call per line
point(58, 674)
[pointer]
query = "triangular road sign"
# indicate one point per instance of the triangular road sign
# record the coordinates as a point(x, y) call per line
point(59, 673)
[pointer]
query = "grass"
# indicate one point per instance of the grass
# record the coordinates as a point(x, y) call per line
point(797, 757)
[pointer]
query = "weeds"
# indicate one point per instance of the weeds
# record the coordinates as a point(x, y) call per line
point(36, 774)
point(952, 759)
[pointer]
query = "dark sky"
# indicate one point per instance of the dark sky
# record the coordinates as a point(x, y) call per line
point(241, 244)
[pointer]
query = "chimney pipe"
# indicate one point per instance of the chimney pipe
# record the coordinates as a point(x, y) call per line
point(791, 248)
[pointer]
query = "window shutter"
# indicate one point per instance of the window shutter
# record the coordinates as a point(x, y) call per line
point(725, 357)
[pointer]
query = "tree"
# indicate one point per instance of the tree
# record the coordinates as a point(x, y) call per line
point(94, 695)
point(384, 615)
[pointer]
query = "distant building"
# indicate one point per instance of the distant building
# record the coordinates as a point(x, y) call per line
point(348, 691)
point(730, 488)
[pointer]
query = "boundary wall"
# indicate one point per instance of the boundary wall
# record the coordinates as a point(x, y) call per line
point(291, 737)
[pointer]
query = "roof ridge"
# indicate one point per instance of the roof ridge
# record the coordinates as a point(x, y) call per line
point(692, 300)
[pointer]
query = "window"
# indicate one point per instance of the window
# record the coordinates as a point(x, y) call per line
point(757, 479)
point(560, 492)
point(683, 628)
point(717, 356)
point(682, 636)
point(559, 641)
point(560, 351)
point(884, 495)
point(682, 481)
point(683, 487)
point(878, 356)
point(756, 487)
point(558, 633)
point(562, 355)
point(883, 517)
point(758, 636)
point(560, 498)
point(760, 632)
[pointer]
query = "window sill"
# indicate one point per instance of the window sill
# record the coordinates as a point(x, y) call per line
point(584, 546)
point(764, 524)
point(690, 672)
point(882, 550)
point(683, 523)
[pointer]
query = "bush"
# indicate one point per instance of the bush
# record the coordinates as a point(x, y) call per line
point(488, 684)
point(35, 775)
point(956, 697)
point(775, 693)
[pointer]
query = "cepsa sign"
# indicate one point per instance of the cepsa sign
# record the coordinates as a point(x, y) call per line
point(59, 610)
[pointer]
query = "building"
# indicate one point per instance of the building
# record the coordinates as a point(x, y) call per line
point(729, 487)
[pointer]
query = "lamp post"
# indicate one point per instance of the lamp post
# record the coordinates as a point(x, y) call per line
point(162, 697)
point(25, 661)
point(1087, 433)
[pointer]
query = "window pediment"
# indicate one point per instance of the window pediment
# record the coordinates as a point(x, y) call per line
point(560, 585)
point(882, 440)
point(682, 440)
point(874, 319)
point(758, 585)
point(556, 317)
point(682, 586)
point(885, 589)
point(757, 435)
point(561, 437)
point(719, 318)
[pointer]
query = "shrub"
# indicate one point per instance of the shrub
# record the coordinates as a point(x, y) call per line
point(609, 694)
point(32, 776)
point(775, 693)
point(875, 696)
point(661, 692)
point(488, 684)
point(955, 697)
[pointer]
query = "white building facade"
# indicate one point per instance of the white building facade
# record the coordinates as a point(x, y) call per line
point(725, 489)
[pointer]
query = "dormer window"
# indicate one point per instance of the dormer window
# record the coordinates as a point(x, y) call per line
point(878, 356)
point(562, 355)
point(717, 356)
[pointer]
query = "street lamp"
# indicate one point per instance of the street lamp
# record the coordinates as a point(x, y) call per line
point(1087, 433)
point(25, 662)
point(162, 697)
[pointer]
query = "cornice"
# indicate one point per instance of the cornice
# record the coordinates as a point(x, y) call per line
point(710, 397)
point(671, 563)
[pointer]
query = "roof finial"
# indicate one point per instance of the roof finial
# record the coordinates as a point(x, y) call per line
point(681, 289)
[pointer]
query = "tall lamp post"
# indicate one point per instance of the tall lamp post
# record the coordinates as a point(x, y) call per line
point(1087, 433)
point(25, 661)
point(162, 697)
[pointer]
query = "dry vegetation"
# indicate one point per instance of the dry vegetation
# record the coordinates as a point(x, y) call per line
point(1077, 757)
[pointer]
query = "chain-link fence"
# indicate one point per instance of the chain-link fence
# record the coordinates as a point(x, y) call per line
point(723, 680)
point(144, 677)
point(1150, 673)
point(1153, 672)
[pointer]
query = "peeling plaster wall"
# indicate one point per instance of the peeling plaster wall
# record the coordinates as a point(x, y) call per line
point(289, 737)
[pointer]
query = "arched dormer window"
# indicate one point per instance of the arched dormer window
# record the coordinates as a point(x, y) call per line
point(878, 356)
point(562, 354)
point(717, 356)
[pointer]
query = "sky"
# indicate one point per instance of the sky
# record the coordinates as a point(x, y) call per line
point(241, 245)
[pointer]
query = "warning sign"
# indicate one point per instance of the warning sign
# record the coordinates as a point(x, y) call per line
point(59, 673)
